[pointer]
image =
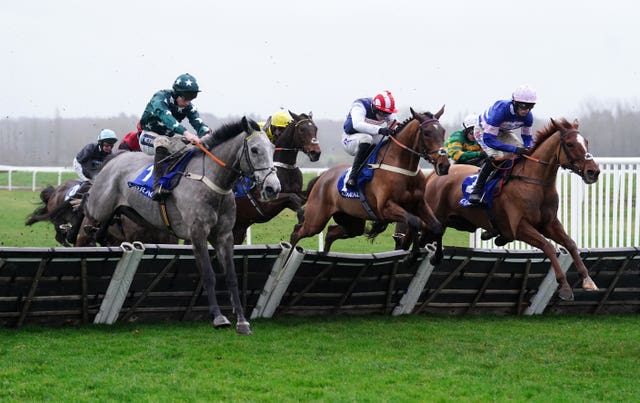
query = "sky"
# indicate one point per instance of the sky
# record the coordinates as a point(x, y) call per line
point(73, 59)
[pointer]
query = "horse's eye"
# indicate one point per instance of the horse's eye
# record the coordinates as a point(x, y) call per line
point(570, 145)
point(254, 150)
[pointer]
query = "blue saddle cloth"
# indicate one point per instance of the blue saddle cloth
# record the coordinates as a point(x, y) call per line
point(365, 175)
point(241, 187)
point(144, 181)
point(72, 191)
point(489, 190)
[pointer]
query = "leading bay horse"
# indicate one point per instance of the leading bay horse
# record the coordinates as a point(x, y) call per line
point(299, 135)
point(394, 193)
point(201, 208)
point(527, 207)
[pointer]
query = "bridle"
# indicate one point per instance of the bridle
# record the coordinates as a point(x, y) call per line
point(314, 140)
point(571, 163)
point(431, 155)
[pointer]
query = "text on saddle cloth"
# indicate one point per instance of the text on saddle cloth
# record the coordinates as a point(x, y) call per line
point(144, 180)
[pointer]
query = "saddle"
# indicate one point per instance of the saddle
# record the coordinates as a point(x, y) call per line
point(175, 171)
point(496, 180)
point(365, 175)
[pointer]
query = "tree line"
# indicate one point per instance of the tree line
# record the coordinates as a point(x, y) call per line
point(55, 141)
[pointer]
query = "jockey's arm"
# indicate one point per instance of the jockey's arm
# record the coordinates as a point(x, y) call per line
point(491, 140)
point(360, 123)
point(525, 133)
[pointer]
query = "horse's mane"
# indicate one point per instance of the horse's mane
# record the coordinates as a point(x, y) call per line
point(225, 132)
point(401, 126)
point(112, 156)
point(548, 130)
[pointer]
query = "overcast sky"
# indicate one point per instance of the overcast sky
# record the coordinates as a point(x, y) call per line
point(100, 59)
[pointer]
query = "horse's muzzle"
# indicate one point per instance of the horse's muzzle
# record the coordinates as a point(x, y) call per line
point(314, 155)
point(590, 176)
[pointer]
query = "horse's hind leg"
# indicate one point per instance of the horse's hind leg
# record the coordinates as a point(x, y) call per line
point(347, 227)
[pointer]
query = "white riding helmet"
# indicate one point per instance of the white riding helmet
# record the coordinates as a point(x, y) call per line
point(107, 136)
point(525, 94)
point(470, 121)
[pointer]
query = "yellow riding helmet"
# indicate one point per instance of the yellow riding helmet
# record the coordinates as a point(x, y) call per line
point(280, 119)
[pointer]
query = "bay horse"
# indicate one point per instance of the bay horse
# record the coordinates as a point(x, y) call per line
point(394, 193)
point(201, 208)
point(66, 218)
point(527, 207)
point(55, 208)
point(299, 135)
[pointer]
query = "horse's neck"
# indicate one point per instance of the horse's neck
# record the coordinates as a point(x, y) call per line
point(286, 140)
point(395, 155)
point(229, 153)
point(546, 169)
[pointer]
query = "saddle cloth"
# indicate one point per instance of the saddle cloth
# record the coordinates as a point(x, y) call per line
point(365, 175)
point(144, 180)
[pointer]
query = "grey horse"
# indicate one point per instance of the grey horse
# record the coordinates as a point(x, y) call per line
point(201, 208)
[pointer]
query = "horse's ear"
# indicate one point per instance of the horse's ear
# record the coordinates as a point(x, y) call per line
point(245, 124)
point(553, 122)
point(413, 113)
point(294, 116)
point(439, 113)
point(310, 115)
point(576, 123)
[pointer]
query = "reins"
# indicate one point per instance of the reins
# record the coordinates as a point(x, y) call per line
point(426, 155)
point(570, 166)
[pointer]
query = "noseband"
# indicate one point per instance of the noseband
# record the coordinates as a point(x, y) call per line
point(314, 140)
point(252, 169)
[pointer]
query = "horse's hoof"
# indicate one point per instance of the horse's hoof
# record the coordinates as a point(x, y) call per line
point(220, 322)
point(501, 241)
point(588, 284)
point(243, 328)
point(565, 294)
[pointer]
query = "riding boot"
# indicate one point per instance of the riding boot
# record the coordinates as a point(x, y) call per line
point(478, 189)
point(160, 158)
point(358, 162)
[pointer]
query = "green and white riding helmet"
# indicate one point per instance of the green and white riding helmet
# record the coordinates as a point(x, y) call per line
point(186, 85)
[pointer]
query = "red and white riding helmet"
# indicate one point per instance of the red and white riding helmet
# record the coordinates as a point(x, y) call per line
point(384, 102)
point(525, 94)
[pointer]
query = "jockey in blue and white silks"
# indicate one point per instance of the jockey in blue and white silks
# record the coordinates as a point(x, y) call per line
point(368, 121)
point(496, 132)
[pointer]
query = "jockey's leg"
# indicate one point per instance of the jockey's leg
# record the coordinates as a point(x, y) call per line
point(358, 162)
point(478, 189)
point(160, 161)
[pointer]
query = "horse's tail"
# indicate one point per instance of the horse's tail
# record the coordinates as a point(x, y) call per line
point(376, 229)
point(41, 213)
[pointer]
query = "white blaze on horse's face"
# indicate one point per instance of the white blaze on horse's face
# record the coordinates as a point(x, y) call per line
point(582, 142)
point(258, 163)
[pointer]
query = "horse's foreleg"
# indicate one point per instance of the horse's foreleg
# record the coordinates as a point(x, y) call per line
point(203, 262)
point(555, 231)
point(224, 249)
point(530, 235)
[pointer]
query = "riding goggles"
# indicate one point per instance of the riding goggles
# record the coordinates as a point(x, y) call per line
point(524, 105)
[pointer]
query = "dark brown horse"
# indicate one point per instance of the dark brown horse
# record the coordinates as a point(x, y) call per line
point(60, 212)
point(299, 135)
point(66, 217)
point(394, 193)
point(526, 208)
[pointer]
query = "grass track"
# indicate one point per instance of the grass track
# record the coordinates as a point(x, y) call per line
point(416, 358)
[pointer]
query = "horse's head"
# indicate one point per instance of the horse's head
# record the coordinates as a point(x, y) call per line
point(431, 143)
point(575, 155)
point(256, 161)
point(305, 135)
